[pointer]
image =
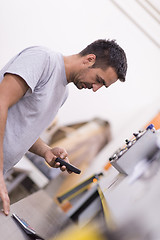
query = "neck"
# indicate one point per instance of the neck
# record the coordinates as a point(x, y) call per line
point(72, 64)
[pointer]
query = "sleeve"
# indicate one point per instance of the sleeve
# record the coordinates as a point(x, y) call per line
point(65, 96)
point(29, 65)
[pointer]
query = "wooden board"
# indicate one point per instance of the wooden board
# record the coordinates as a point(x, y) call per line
point(40, 212)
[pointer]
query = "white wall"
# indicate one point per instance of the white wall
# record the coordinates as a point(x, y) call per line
point(68, 26)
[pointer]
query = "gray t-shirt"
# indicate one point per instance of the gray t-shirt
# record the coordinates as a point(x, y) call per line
point(44, 72)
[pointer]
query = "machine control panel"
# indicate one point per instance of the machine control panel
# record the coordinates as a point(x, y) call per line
point(143, 145)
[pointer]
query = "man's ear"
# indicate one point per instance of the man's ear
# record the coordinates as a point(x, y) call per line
point(89, 59)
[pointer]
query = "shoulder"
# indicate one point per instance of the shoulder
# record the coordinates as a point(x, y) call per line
point(40, 53)
point(36, 50)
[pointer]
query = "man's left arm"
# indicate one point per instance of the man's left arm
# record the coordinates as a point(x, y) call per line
point(49, 154)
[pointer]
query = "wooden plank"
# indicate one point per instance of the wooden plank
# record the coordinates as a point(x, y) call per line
point(39, 211)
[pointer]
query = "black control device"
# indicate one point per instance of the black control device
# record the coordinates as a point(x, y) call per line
point(69, 166)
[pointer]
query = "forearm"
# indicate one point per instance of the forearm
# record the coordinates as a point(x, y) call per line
point(39, 148)
point(3, 119)
point(3, 190)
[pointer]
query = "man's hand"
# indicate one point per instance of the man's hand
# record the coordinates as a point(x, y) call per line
point(52, 154)
point(4, 196)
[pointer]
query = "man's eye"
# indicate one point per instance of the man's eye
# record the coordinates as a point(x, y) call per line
point(98, 80)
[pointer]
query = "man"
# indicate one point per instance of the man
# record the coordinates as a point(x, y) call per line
point(33, 86)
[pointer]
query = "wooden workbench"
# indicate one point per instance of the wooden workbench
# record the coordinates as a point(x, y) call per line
point(40, 212)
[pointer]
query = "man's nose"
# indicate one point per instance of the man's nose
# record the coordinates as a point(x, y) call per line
point(95, 87)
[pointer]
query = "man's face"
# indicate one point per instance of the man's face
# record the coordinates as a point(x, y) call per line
point(94, 78)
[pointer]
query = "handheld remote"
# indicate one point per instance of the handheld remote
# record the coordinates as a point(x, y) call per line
point(69, 166)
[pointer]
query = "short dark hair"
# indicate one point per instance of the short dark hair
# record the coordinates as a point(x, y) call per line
point(108, 54)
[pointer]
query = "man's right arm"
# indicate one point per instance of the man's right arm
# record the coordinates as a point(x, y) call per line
point(12, 89)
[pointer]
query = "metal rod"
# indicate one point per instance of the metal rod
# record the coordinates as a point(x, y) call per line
point(137, 25)
point(153, 6)
point(149, 12)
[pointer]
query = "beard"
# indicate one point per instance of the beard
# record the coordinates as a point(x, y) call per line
point(79, 79)
point(76, 79)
